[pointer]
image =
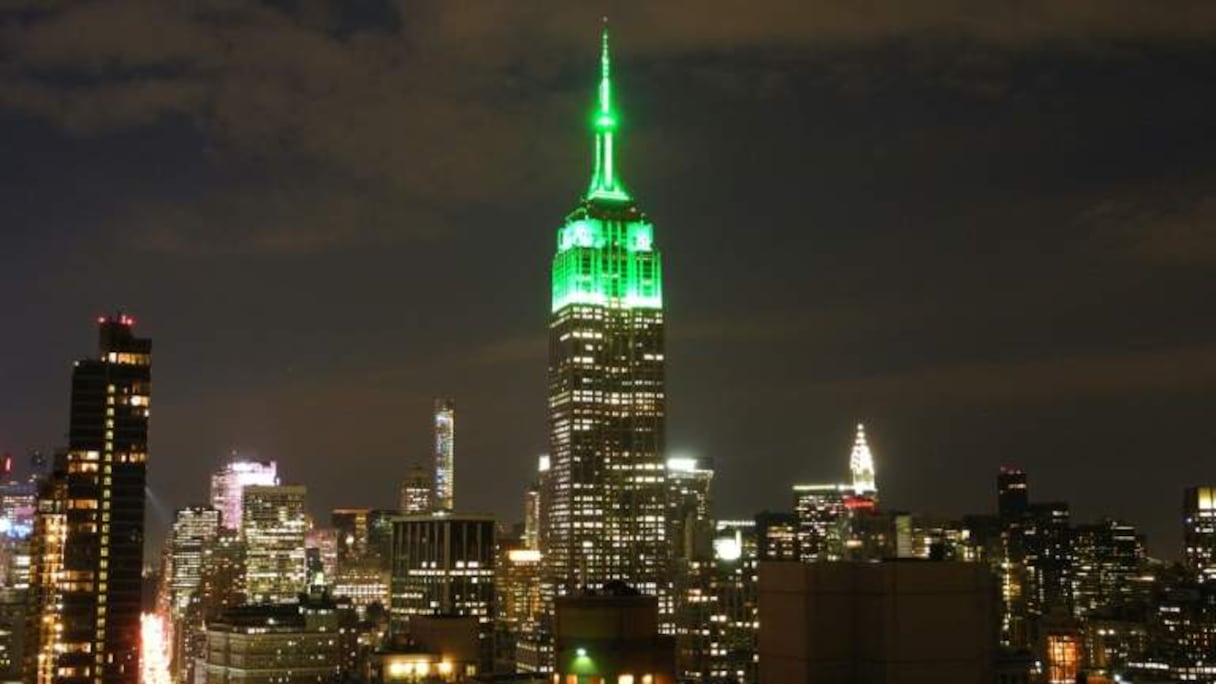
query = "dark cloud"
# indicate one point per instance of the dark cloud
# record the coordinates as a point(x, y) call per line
point(1177, 227)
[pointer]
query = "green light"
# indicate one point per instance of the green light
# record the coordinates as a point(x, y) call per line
point(604, 182)
point(607, 262)
point(582, 652)
point(606, 254)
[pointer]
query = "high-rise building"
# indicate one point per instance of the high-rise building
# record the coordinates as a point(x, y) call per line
point(445, 455)
point(823, 520)
point(195, 529)
point(532, 515)
point(417, 491)
point(1199, 531)
point(1108, 559)
point(1012, 496)
point(861, 465)
point(274, 526)
point(1047, 540)
point(777, 536)
point(690, 508)
point(229, 483)
point(322, 543)
point(607, 401)
point(444, 564)
point(716, 608)
point(520, 608)
point(92, 518)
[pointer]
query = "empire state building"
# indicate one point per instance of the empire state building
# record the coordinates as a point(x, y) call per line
point(607, 502)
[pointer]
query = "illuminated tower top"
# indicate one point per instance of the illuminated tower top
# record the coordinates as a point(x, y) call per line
point(604, 181)
point(861, 462)
point(606, 251)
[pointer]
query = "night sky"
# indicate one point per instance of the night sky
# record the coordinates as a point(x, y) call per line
point(986, 229)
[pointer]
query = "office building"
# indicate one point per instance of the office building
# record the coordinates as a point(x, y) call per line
point(321, 544)
point(273, 527)
point(303, 642)
point(444, 564)
point(532, 516)
point(690, 507)
point(417, 492)
point(607, 518)
point(1108, 560)
point(1199, 530)
point(889, 622)
point(823, 520)
point(228, 485)
point(777, 536)
point(521, 609)
point(445, 455)
point(195, 529)
point(716, 608)
point(1012, 495)
point(612, 635)
point(1048, 548)
point(90, 553)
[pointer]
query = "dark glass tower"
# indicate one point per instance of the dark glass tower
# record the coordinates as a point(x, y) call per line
point(607, 515)
point(95, 498)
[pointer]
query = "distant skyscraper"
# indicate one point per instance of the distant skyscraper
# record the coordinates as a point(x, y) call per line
point(777, 536)
point(445, 455)
point(353, 527)
point(195, 529)
point(690, 508)
point(606, 384)
point(228, 484)
point(823, 520)
point(1048, 544)
point(1199, 531)
point(1012, 496)
point(417, 491)
point(274, 527)
point(1108, 559)
point(861, 464)
point(91, 553)
point(532, 515)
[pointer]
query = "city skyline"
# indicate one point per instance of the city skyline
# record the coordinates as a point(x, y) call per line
point(953, 317)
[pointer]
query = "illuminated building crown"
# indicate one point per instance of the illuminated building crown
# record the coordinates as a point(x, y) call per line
point(861, 462)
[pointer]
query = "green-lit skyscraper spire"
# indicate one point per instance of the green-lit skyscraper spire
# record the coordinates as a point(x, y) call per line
point(605, 504)
point(604, 181)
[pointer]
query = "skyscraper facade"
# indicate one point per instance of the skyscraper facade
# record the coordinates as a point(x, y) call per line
point(1199, 531)
point(91, 554)
point(195, 529)
point(606, 518)
point(445, 455)
point(230, 482)
point(417, 491)
point(690, 508)
point(274, 527)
